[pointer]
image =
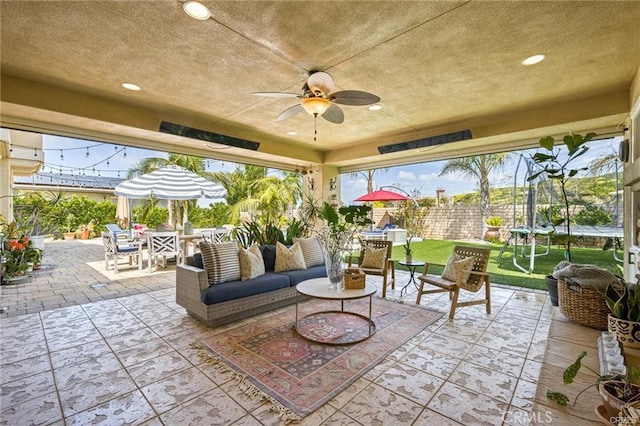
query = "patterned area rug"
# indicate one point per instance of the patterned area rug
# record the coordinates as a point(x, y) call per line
point(269, 359)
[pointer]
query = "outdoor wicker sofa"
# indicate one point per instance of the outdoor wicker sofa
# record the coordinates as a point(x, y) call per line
point(231, 301)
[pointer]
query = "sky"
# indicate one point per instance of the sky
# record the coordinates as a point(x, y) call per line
point(70, 156)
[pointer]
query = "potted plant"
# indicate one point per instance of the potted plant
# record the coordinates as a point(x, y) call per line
point(341, 226)
point(408, 250)
point(493, 228)
point(85, 231)
point(624, 319)
point(616, 391)
point(69, 234)
point(14, 249)
point(556, 165)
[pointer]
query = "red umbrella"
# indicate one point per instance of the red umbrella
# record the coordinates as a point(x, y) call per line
point(382, 195)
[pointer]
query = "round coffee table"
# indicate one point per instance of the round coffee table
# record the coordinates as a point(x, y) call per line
point(319, 288)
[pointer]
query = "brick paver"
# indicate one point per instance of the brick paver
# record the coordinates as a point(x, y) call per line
point(68, 278)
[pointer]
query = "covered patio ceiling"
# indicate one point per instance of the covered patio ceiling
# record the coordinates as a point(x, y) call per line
point(439, 67)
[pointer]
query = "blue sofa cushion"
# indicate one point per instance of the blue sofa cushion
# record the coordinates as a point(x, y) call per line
point(197, 261)
point(297, 277)
point(269, 257)
point(232, 290)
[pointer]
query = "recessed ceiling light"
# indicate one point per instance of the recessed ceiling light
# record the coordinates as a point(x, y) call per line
point(292, 133)
point(131, 86)
point(196, 10)
point(535, 59)
point(376, 107)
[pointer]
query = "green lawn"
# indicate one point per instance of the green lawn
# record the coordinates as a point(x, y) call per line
point(502, 270)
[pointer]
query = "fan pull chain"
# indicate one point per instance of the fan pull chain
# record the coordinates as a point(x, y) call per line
point(315, 127)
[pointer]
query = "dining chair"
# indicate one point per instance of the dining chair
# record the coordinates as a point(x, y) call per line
point(163, 245)
point(114, 250)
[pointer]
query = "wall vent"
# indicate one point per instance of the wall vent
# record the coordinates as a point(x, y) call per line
point(204, 135)
point(424, 142)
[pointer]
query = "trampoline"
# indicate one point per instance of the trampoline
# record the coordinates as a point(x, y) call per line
point(526, 236)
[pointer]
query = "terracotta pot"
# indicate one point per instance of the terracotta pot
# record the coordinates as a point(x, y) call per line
point(627, 332)
point(612, 404)
point(69, 235)
point(493, 232)
point(84, 235)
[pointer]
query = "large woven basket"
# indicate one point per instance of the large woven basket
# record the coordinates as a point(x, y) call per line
point(583, 304)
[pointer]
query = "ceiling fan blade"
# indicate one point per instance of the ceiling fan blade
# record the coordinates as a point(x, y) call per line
point(334, 114)
point(354, 97)
point(320, 81)
point(290, 112)
point(276, 94)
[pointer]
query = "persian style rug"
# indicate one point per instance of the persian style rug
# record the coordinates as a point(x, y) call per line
point(270, 360)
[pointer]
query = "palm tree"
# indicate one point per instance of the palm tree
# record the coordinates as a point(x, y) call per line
point(368, 175)
point(147, 165)
point(477, 167)
point(266, 197)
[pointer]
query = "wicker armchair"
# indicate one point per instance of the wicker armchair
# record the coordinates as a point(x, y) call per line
point(478, 276)
point(388, 267)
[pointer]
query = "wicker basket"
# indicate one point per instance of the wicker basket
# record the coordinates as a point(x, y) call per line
point(583, 304)
point(354, 278)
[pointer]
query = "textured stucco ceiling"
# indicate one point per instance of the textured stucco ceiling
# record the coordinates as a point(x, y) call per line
point(437, 66)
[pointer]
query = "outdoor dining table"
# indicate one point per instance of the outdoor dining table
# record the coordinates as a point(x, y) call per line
point(190, 240)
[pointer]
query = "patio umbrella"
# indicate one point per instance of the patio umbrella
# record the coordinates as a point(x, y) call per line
point(382, 195)
point(170, 183)
point(122, 212)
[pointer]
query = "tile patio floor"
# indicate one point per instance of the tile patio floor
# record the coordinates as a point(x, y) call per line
point(80, 346)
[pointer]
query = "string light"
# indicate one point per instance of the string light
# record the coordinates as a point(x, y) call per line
point(61, 156)
point(87, 154)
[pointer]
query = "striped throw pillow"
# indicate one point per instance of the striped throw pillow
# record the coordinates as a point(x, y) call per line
point(221, 261)
point(251, 263)
point(311, 250)
point(289, 259)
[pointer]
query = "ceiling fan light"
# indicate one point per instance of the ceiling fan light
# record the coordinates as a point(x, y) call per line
point(196, 10)
point(315, 106)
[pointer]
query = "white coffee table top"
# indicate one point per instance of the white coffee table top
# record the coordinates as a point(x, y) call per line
point(319, 288)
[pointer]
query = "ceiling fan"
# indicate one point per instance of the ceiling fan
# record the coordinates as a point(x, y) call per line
point(316, 98)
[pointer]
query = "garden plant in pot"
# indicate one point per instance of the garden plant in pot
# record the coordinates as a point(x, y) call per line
point(493, 228)
point(617, 392)
point(408, 251)
point(624, 319)
point(341, 227)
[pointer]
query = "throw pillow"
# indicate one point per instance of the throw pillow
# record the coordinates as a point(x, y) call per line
point(221, 261)
point(311, 250)
point(455, 264)
point(251, 263)
point(374, 258)
point(289, 259)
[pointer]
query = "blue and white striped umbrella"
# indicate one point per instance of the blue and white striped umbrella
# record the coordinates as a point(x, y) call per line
point(170, 183)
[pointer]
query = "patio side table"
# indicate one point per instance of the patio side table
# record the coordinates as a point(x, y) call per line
point(413, 266)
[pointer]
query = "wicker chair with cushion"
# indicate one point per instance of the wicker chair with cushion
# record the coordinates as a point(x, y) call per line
point(461, 272)
point(375, 259)
point(115, 250)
